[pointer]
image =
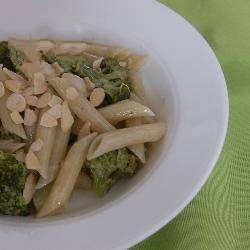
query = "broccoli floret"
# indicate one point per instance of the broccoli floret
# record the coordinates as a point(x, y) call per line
point(5, 56)
point(17, 57)
point(6, 135)
point(12, 181)
point(108, 168)
point(112, 77)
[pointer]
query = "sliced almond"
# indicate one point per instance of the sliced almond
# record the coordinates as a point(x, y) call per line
point(12, 75)
point(30, 117)
point(55, 100)
point(48, 120)
point(71, 93)
point(58, 69)
point(28, 91)
point(20, 155)
point(123, 64)
point(67, 119)
point(40, 86)
point(31, 100)
point(14, 85)
point(89, 84)
point(36, 145)
point(31, 160)
point(2, 89)
point(76, 82)
point(97, 96)
point(97, 63)
point(43, 100)
point(16, 102)
point(56, 111)
point(16, 117)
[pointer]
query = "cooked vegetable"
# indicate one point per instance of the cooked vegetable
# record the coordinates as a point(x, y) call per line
point(12, 180)
point(6, 135)
point(16, 57)
point(107, 169)
point(5, 56)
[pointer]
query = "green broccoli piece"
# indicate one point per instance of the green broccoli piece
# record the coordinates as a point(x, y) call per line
point(12, 181)
point(17, 57)
point(108, 168)
point(5, 56)
point(112, 77)
point(6, 135)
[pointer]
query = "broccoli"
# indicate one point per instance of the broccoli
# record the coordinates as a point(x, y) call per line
point(12, 180)
point(112, 77)
point(17, 57)
point(108, 168)
point(5, 56)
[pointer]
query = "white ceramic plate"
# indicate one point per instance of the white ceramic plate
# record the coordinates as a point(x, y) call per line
point(186, 88)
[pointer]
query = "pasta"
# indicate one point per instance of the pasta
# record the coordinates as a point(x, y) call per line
point(74, 115)
point(64, 184)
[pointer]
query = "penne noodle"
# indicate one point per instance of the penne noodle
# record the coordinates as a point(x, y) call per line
point(82, 107)
point(85, 130)
point(47, 135)
point(29, 188)
point(138, 149)
point(83, 181)
point(67, 176)
point(77, 125)
point(124, 110)
point(121, 138)
point(135, 62)
point(7, 122)
point(57, 155)
point(10, 146)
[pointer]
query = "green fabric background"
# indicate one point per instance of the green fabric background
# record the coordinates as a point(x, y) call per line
point(219, 216)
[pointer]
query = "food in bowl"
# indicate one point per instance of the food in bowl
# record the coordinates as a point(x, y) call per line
point(73, 115)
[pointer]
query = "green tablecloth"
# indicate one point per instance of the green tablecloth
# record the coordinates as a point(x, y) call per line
point(219, 216)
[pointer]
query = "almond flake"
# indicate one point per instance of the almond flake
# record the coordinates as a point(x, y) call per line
point(16, 117)
point(40, 86)
point(89, 84)
point(31, 100)
point(28, 91)
point(13, 75)
point(32, 162)
point(123, 64)
point(16, 102)
point(2, 89)
point(30, 117)
point(75, 81)
point(56, 111)
point(97, 63)
point(36, 145)
point(67, 119)
point(14, 85)
point(58, 69)
point(97, 96)
point(48, 121)
point(71, 93)
point(43, 100)
point(55, 100)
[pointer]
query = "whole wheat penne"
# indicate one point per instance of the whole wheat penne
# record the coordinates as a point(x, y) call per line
point(57, 155)
point(82, 107)
point(138, 149)
point(85, 130)
point(7, 122)
point(135, 62)
point(124, 110)
point(29, 188)
point(121, 138)
point(83, 181)
point(77, 125)
point(47, 135)
point(67, 176)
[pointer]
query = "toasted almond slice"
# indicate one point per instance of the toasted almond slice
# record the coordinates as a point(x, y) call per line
point(30, 117)
point(16, 102)
point(76, 82)
point(43, 100)
point(97, 96)
point(31, 160)
point(36, 145)
point(56, 111)
point(20, 155)
point(40, 86)
point(58, 69)
point(89, 84)
point(28, 91)
point(123, 64)
point(67, 119)
point(55, 100)
point(16, 117)
point(31, 100)
point(71, 93)
point(48, 120)
point(14, 85)
point(97, 63)
point(12, 75)
point(2, 89)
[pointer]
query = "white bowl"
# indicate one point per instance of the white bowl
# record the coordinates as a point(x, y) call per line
point(186, 89)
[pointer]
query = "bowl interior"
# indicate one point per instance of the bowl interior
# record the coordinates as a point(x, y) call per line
point(162, 96)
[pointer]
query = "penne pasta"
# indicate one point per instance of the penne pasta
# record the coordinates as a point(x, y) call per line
point(10, 146)
point(121, 138)
point(29, 188)
point(138, 149)
point(83, 181)
point(47, 135)
point(135, 62)
point(124, 110)
point(67, 176)
point(57, 155)
point(85, 130)
point(6, 120)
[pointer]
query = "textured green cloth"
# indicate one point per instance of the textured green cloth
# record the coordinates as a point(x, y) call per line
point(219, 216)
